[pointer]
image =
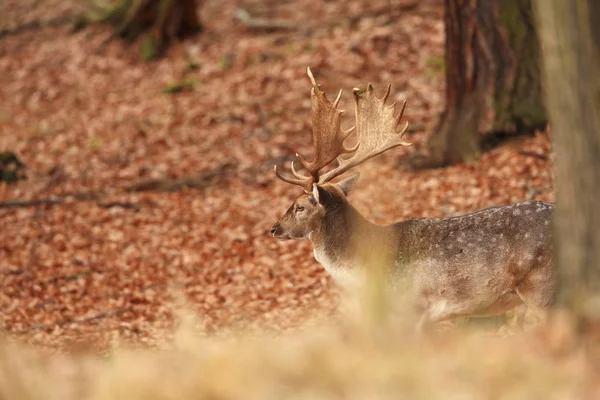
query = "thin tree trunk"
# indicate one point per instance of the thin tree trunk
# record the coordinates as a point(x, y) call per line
point(570, 35)
point(492, 81)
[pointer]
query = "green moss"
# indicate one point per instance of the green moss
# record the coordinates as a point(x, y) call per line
point(226, 62)
point(78, 275)
point(436, 64)
point(150, 49)
point(95, 143)
point(112, 12)
point(179, 86)
point(193, 66)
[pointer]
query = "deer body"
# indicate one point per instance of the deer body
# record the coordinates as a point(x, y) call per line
point(479, 264)
point(475, 265)
point(482, 264)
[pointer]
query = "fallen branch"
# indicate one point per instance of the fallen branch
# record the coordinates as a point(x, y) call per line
point(32, 203)
point(199, 181)
point(52, 201)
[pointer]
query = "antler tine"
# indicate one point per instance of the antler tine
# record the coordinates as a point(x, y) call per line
point(311, 77)
point(298, 175)
point(400, 114)
point(337, 99)
point(347, 132)
point(351, 150)
point(376, 127)
point(398, 118)
point(304, 163)
point(294, 181)
point(387, 93)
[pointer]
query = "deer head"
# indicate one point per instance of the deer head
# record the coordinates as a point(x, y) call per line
point(308, 211)
point(376, 126)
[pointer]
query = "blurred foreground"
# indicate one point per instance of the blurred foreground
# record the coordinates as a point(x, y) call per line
point(356, 357)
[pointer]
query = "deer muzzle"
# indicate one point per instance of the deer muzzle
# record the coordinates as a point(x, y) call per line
point(276, 230)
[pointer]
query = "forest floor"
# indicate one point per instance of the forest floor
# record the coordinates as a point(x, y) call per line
point(98, 126)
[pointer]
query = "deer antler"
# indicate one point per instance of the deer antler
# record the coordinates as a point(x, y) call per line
point(376, 130)
point(328, 137)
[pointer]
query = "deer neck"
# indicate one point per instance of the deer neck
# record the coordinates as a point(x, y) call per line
point(345, 240)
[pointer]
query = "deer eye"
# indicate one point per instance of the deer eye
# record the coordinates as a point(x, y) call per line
point(299, 208)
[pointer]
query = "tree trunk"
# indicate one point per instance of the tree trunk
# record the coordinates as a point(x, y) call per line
point(163, 20)
point(570, 35)
point(492, 77)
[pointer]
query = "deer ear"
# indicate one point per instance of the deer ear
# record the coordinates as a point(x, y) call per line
point(321, 195)
point(314, 196)
point(348, 184)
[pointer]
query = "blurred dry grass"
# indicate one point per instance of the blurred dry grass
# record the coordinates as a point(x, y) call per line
point(354, 356)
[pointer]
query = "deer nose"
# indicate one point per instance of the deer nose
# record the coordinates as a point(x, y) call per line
point(274, 229)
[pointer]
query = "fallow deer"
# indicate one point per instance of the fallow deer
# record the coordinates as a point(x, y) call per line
point(479, 264)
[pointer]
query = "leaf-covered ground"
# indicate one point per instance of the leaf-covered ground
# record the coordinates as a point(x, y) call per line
point(92, 122)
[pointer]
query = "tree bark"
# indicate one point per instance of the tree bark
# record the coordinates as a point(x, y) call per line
point(163, 20)
point(569, 31)
point(492, 77)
